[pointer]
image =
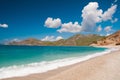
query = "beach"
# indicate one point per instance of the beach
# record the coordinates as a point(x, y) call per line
point(59, 40)
point(105, 67)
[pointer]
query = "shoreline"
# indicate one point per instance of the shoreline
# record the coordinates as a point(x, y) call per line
point(54, 72)
point(34, 68)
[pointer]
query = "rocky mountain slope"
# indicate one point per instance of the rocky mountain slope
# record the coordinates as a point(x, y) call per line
point(113, 39)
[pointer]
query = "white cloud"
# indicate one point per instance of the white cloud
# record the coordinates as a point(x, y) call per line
point(7, 41)
point(91, 15)
point(4, 25)
point(99, 28)
point(70, 27)
point(52, 38)
point(53, 23)
point(48, 38)
point(107, 15)
point(59, 38)
point(115, 20)
point(16, 40)
point(108, 28)
point(108, 34)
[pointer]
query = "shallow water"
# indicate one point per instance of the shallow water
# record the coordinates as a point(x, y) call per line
point(25, 60)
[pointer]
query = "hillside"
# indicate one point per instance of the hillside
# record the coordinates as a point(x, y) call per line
point(113, 39)
point(82, 40)
point(30, 41)
point(76, 40)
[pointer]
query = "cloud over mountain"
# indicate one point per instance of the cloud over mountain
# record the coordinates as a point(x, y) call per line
point(52, 38)
point(108, 28)
point(70, 27)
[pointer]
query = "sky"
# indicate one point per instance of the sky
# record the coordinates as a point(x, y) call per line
point(51, 20)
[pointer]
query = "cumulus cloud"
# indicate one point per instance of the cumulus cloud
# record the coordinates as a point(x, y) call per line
point(53, 23)
point(99, 28)
point(107, 15)
point(70, 27)
point(91, 15)
point(4, 25)
point(52, 38)
point(108, 28)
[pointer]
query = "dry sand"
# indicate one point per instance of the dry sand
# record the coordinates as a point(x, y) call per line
point(106, 67)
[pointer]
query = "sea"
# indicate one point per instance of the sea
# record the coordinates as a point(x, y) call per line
point(16, 61)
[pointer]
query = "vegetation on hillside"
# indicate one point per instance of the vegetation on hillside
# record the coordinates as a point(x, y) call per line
point(76, 40)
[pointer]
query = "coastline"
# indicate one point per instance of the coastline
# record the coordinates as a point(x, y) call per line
point(62, 73)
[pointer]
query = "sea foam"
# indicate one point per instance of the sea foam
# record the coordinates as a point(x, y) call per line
point(44, 66)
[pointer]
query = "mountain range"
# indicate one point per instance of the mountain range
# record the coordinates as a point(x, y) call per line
point(76, 40)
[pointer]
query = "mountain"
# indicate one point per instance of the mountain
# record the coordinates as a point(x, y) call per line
point(76, 40)
point(30, 41)
point(113, 39)
point(83, 40)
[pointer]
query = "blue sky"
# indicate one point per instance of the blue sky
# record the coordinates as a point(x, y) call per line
point(56, 19)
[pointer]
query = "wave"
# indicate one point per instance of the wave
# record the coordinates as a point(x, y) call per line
point(40, 67)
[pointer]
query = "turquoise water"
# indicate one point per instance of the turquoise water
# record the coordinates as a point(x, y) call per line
point(17, 55)
point(25, 60)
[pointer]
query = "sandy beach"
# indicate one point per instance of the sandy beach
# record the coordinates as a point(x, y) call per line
point(106, 67)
